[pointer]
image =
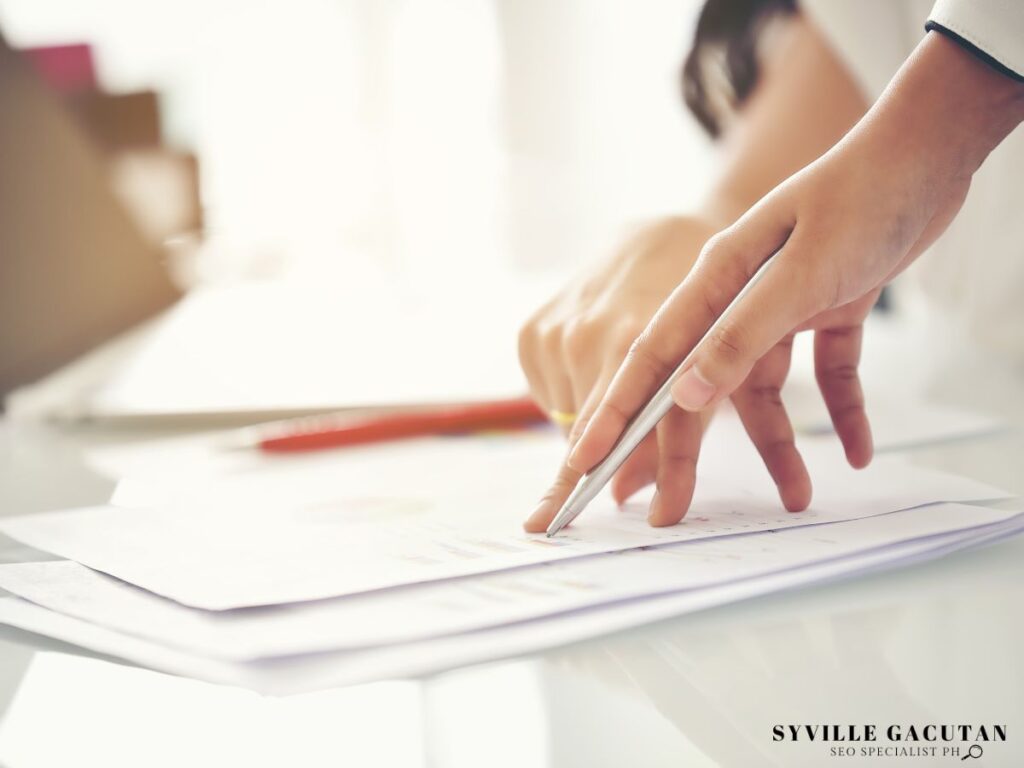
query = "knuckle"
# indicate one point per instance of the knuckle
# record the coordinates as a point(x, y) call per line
point(841, 333)
point(727, 344)
point(844, 373)
point(681, 459)
point(619, 416)
point(578, 428)
point(640, 354)
point(578, 341)
point(848, 412)
point(722, 254)
point(527, 340)
point(712, 284)
point(767, 395)
point(623, 339)
point(841, 369)
point(717, 246)
point(616, 412)
point(551, 339)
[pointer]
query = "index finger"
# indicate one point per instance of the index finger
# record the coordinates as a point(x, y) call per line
point(552, 501)
point(726, 264)
point(567, 478)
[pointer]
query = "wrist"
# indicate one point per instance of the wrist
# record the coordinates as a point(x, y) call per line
point(947, 110)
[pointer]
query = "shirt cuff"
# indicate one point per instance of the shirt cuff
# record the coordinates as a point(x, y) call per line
point(992, 30)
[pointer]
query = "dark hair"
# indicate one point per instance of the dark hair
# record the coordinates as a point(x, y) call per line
point(721, 69)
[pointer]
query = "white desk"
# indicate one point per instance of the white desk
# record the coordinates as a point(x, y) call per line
point(938, 643)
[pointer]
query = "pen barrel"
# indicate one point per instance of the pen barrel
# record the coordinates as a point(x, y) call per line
point(641, 426)
point(661, 402)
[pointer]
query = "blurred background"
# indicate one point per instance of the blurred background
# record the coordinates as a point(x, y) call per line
point(419, 135)
point(380, 153)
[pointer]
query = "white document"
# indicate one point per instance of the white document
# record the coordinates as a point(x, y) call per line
point(327, 670)
point(306, 544)
point(461, 605)
point(197, 471)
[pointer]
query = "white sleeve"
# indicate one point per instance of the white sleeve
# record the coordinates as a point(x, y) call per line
point(991, 29)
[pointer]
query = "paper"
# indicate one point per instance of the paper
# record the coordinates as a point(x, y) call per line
point(249, 553)
point(197, 470)
point(277, 348)
point(488, 600)
point(319, 671)
point(901, 424)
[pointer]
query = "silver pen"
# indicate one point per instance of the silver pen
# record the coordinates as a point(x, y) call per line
point(640, 425)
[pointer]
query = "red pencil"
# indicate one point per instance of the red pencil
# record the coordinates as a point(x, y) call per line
point(336, 431)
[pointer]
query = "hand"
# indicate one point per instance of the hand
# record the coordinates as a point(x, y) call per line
point(571, 348)
point(844, 226)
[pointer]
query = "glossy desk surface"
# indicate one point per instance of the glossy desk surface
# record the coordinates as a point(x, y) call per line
point(938, 643)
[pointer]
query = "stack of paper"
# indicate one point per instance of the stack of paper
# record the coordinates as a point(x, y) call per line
point(410, 558)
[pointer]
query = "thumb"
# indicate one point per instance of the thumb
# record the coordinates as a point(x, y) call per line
point(726, 264)
point(790, 291)
point(759, 311)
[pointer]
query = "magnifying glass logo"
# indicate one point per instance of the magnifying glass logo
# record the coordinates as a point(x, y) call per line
point(974, 751)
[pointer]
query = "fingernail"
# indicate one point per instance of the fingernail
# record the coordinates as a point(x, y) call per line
point(654, 506)
point(692, 391)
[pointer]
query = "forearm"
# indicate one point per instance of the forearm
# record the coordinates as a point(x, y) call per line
point(945, 110)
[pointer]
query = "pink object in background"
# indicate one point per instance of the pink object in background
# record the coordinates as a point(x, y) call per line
point(65, 68)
